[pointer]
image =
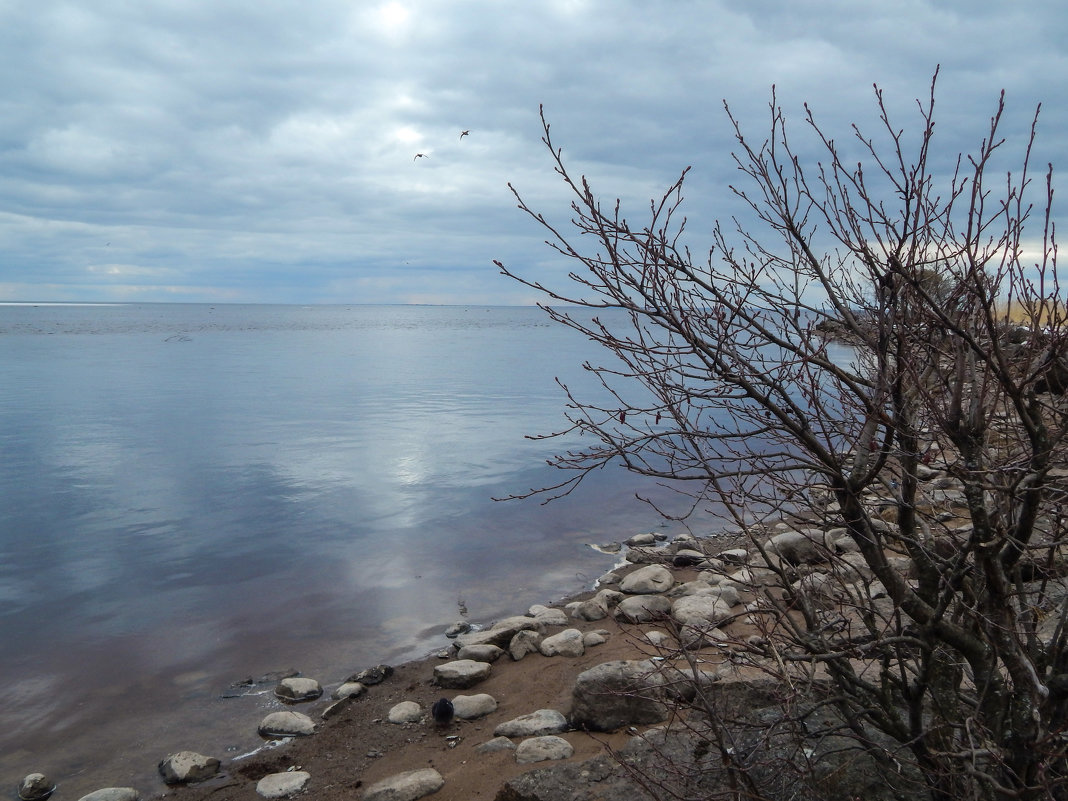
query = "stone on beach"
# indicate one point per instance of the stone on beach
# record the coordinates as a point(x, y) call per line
point(295, 690)
point(408, 786)
point(461, 674)
point(405, 712)
point(567, 643)
point(372, 675)
point(36, 787)
point(349, 689)
point(523, 643)
point(643, 608)
point(282, 785)
point(187, 767)
point(469, 707)
point(618, 693)
point(501, 632)
point(647, 580)
point(495, 745)
point(480, 653)
point(286, 724)
point(540, 749)
point(543, 721)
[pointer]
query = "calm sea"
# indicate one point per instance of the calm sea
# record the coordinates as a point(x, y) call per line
point(191, 495)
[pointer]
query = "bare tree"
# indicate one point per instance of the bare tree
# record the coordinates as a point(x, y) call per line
point(935, 442)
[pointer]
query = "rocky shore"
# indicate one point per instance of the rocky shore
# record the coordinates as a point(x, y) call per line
point(528, 707)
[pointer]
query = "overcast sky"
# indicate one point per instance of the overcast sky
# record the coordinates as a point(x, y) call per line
point(264, 150)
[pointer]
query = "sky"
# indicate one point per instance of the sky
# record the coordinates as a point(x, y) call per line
point(264, 151)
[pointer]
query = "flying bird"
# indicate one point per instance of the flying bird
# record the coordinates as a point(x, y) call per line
point(420, 156)
point(442, 711)
point(464, 133)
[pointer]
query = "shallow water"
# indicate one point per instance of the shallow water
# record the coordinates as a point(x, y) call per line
point(192, 494)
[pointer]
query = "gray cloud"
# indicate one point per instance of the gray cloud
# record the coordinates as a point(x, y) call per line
point(244, 151)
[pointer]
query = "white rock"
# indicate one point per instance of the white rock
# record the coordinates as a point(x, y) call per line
point(409, 786)
point(286, 724)
point(36, 787)
point(350, 689)
point(281, 785)
point(552, 617)
point(405, 712)
point(647, 580)
point(642, 608)
point(523, 643)
point(641, 539)
point(567, 643)
point(480, 653)
point(539, 749)
point(461, 673)
point(187, 766)
point(298, 689)
point(593, 638)
point(544, 721)
point(700, 609)
point(469, 707)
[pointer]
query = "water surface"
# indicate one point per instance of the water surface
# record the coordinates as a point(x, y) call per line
point(193, 494)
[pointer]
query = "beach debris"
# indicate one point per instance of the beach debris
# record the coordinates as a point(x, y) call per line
point(186, 767)
point(36, 787)
point(282, 785)
point(297, 690)
point(411, 785)
point(286, 724)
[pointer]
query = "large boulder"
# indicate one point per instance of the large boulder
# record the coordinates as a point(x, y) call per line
point(405, 712)
point(461, 673)
point(469, 707)
point(642, 608)
point(806, 547)
point(567, 643)
point(700, 610)
point(647, 580)
point(618, 693)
